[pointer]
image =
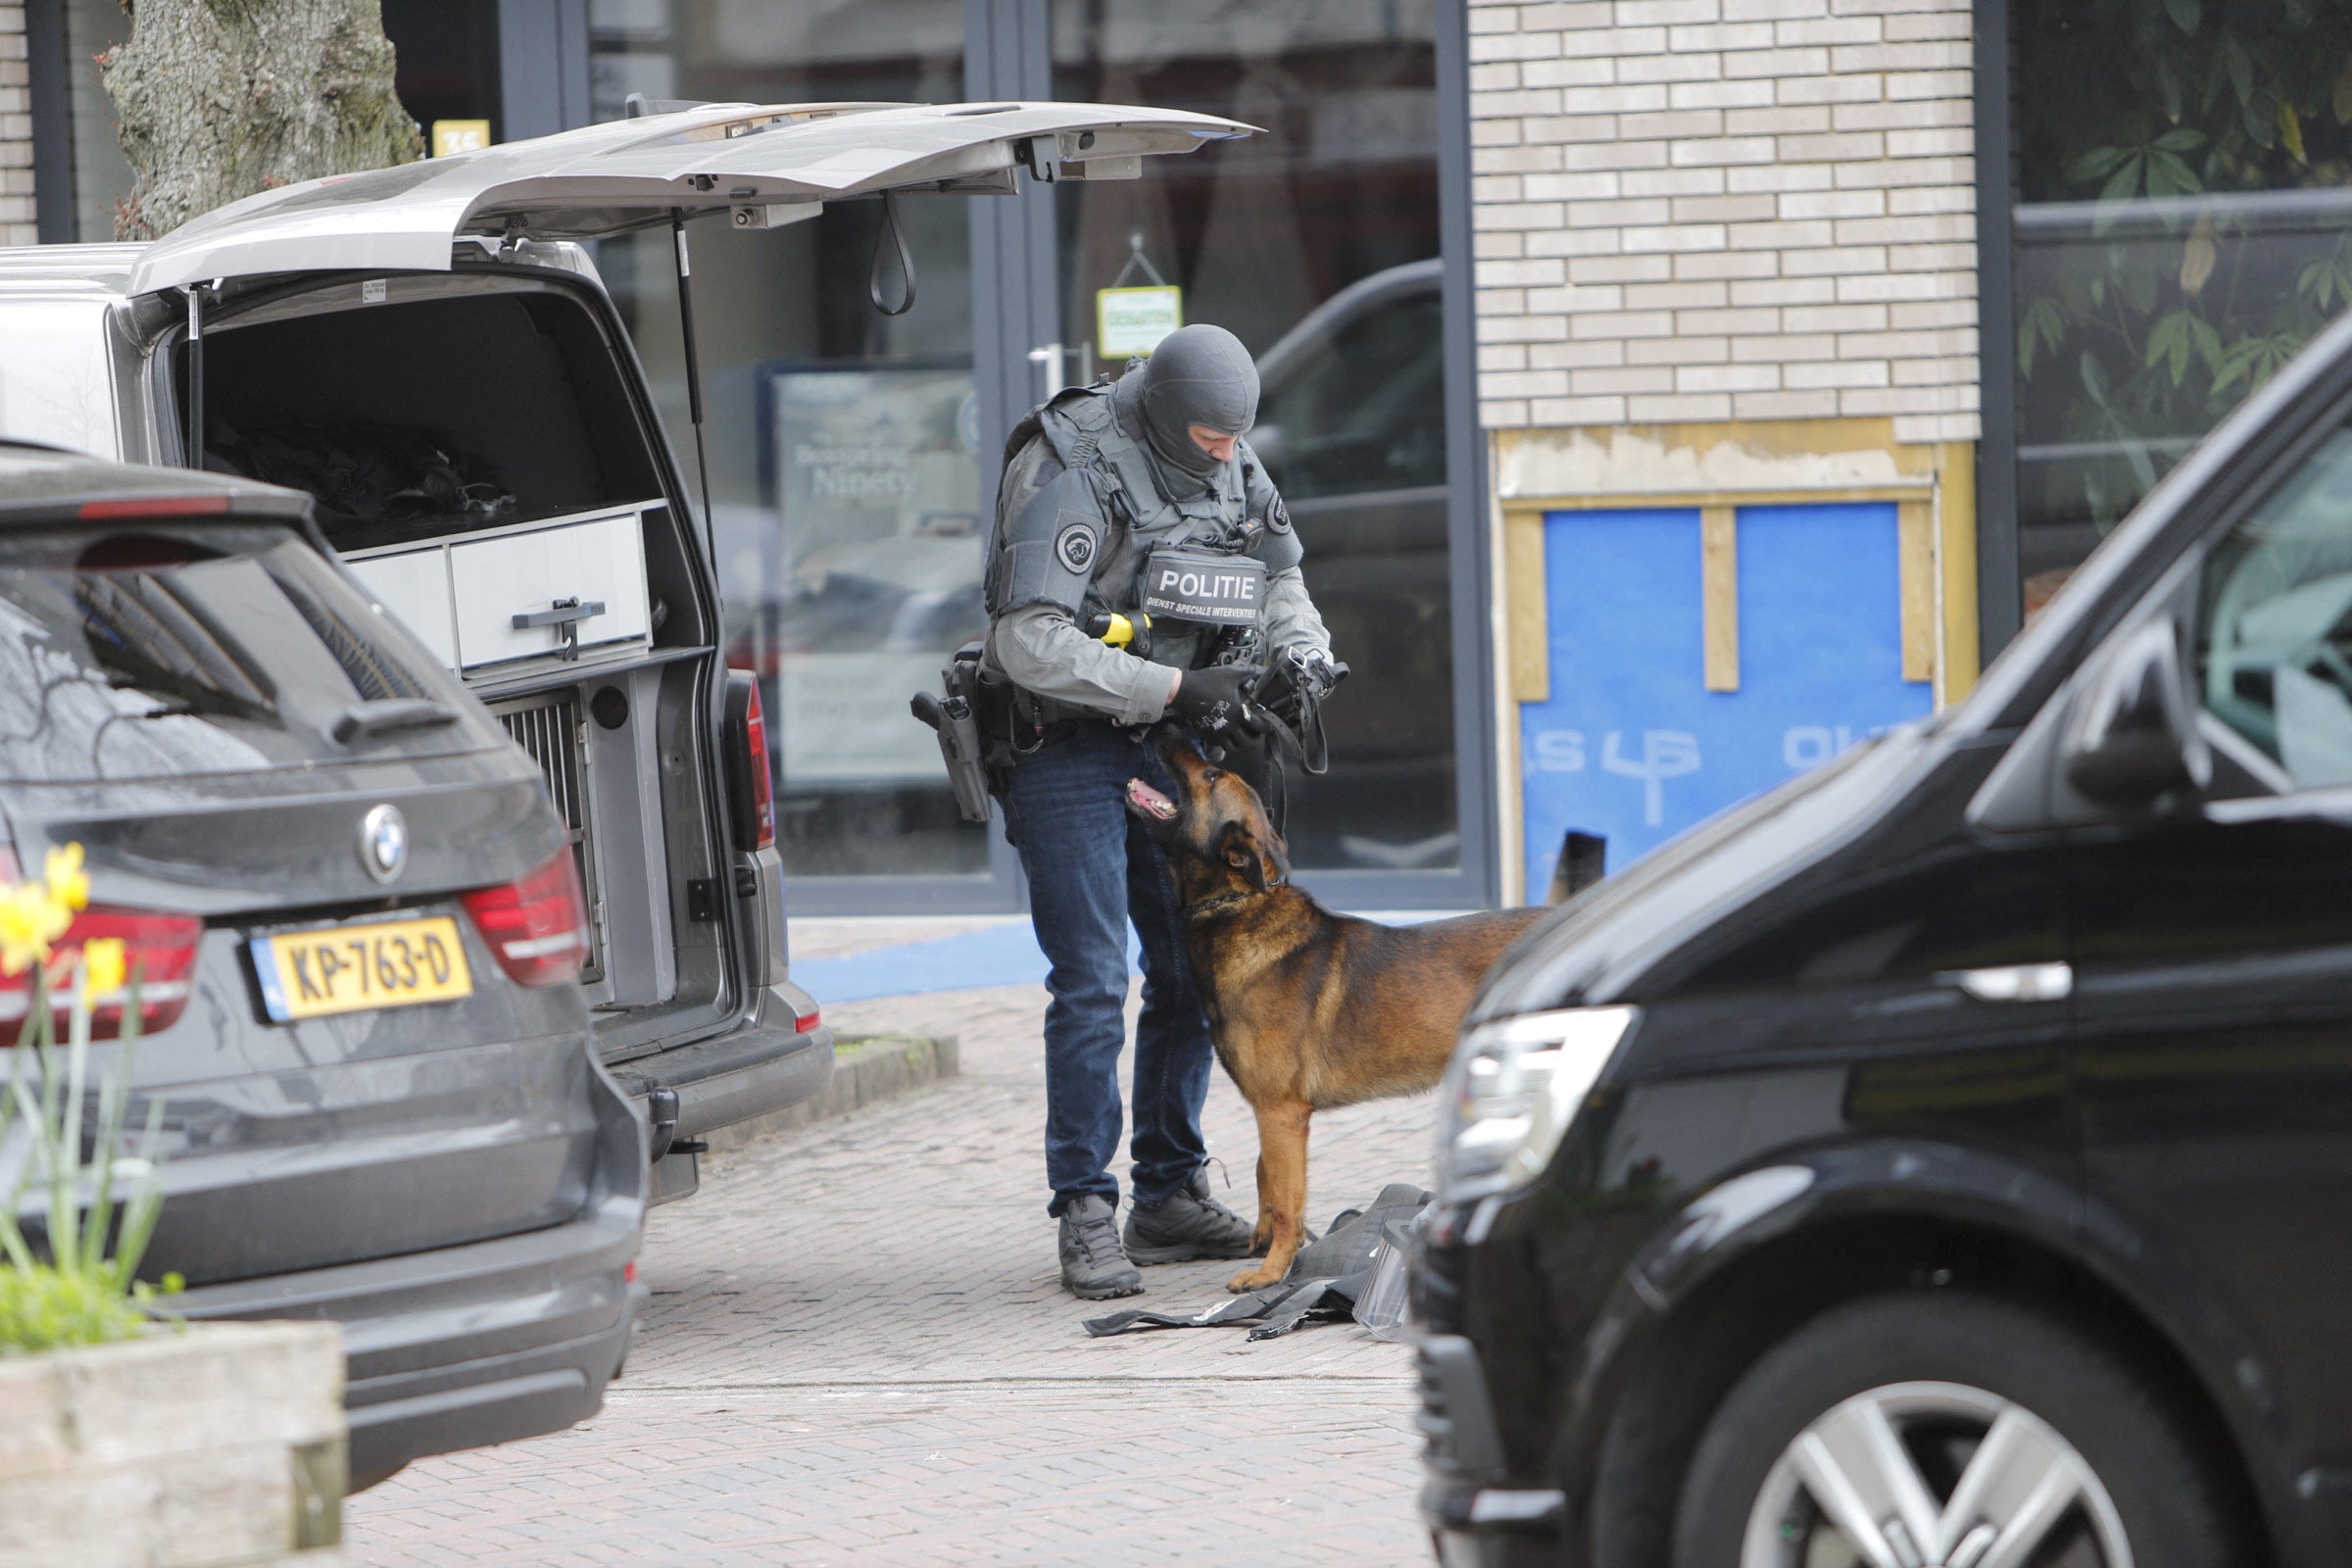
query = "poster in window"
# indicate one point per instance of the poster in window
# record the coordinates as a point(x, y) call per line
point(878, 484)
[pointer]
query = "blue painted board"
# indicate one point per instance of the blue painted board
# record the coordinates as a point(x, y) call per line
point(1630, 745)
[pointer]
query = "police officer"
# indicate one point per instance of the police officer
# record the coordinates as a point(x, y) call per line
point(1132, 497)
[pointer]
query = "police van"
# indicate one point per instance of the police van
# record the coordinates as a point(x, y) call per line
point(427, 351)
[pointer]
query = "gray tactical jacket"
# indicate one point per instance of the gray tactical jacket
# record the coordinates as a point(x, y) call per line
point(1064, 548)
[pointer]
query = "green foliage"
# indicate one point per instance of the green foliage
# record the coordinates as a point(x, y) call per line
point(2186, 310)
point(42, 1308)
point(2041, 327)
point(2252, 360)
point(2325, 282)
point(2183, 338)
point(101, 1203)
point(2154, 168)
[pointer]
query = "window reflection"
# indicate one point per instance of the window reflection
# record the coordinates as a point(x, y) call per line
point(1316, 245)
point(1354, 396)
point(843, 443)
point(2184, 229)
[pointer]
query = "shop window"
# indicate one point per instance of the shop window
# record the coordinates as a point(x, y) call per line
point(843, 444)
point(1316, 243)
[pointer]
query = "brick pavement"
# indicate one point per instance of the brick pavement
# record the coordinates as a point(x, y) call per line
point(858, 1352)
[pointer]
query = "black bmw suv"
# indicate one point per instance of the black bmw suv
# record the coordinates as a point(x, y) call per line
point(1946, 1159)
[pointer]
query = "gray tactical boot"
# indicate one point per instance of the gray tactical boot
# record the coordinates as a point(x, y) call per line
point(1190, 1224)
point(1092, 1268)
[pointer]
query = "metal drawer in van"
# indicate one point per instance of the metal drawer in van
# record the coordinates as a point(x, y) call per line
point(414, 585)
point(563, 588)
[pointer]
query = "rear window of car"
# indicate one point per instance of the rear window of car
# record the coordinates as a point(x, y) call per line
point(170, 651)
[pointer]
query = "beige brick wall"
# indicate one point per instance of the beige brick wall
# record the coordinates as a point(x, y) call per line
point(17, 221)
point(1719, 210)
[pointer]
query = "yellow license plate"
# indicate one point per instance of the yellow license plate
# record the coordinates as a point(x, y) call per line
point(355, 967)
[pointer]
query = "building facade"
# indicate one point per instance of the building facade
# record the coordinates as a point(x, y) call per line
point(16, 220)
point(1671, 393)
point(1727, 321)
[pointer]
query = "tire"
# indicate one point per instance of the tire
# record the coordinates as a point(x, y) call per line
point(1938, 1372)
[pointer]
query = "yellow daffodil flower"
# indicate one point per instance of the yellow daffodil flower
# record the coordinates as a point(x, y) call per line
point(104, 966)
point(67, 883)
point(30, 919)
point(21, 940)
point(35, 915)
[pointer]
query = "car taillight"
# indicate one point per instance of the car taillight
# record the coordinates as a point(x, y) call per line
point(763, 786)
point(136, 508)
point(159, 953)
point(537, 926)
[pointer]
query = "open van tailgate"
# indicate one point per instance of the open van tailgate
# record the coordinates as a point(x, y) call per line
point(604, 180)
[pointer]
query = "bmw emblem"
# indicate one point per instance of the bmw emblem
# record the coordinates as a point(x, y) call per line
point(385, 842)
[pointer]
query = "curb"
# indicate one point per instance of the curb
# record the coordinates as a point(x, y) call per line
point(865, 1071)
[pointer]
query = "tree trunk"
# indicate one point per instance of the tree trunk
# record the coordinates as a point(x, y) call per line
point(222, 98)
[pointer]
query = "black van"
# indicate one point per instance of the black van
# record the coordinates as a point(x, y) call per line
point(1946, 1159)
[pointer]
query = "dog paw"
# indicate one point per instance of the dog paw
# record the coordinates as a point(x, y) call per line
point(1256, 1279)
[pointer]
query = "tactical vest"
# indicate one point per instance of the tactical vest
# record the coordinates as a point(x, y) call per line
point(1083, 540)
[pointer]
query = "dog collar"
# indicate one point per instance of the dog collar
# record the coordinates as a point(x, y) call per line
point(1226, 900)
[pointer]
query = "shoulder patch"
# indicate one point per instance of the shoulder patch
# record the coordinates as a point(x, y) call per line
point(1278, 516)
point(1074, 545)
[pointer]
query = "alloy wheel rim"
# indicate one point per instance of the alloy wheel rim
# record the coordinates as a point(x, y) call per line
point(1933, 1475)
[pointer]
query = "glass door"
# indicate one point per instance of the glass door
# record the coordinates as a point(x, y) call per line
point(844, 445)
point(1319, 245)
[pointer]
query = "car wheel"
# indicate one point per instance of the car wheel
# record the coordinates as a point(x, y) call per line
point(1944, 1431)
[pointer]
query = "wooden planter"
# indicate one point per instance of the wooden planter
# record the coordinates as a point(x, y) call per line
point(215, 1445)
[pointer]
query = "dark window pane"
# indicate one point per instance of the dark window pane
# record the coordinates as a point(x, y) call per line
point(446, 54)
point(1364, 406)
point(2184, 227)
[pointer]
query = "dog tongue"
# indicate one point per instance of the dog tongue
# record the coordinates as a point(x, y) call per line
point(1150, 799)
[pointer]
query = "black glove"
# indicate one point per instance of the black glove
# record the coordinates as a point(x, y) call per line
point(1211, 699)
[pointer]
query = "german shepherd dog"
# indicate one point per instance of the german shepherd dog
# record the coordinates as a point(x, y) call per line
point(1309, 1009)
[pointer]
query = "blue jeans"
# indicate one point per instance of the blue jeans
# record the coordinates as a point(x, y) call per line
point(1092, 869)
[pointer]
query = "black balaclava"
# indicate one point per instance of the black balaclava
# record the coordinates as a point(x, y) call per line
point(1198, 375)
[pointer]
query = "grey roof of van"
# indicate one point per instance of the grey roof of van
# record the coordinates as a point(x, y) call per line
point(46, 484)
point(104, 266)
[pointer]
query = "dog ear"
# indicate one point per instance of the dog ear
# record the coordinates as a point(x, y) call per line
point(1272, 851)
point(1237, 847)
point(1280, 854)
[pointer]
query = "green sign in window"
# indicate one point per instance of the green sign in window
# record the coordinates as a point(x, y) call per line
point(1132, 321)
